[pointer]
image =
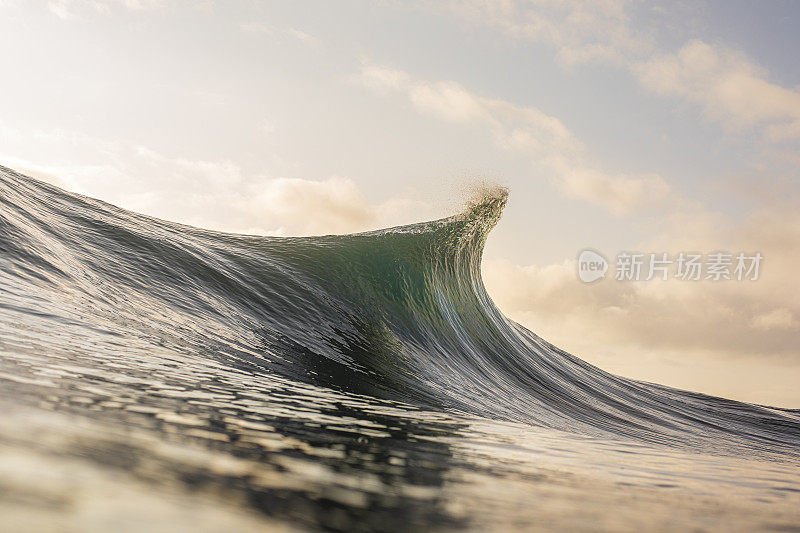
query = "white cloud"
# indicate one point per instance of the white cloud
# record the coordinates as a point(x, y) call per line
point(67, 9)
point(732, 89)
point(334, 205)
point(580, 30)
point(619, 194)
point(776, 319)
point(515, 127)
point(645, 328)
point(210, 194)
point(293, 34)
point(527, 130)
point(142, 4)
point(752, 320)
point(61, 8)
point(306, 38)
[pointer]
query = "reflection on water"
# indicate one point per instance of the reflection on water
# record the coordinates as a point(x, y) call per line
point(99, 434)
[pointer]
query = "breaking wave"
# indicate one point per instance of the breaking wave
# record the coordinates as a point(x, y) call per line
point(399, 313)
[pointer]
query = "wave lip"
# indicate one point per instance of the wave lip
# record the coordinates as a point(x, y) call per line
point(400, 313)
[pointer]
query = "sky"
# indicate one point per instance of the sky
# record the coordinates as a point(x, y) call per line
point(657, 127)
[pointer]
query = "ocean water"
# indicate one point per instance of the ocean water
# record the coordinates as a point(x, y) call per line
point(159, 377)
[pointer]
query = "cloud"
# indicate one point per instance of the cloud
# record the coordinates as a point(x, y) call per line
point(219, 195)
point(515, 127)
point(210, 194)
point(619, 194)
point(292, 34)
point(306, 38)
point(728, 318)
point(529, 131)
point(61, 8)
point(68, 9)
point(776, 319)
point(579, 30)
point(334, 205)
point(732, 89)
point(645, 328)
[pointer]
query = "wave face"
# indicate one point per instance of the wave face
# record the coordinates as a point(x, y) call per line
point(400, 314)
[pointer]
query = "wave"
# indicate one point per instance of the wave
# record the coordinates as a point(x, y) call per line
point(399, 314)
